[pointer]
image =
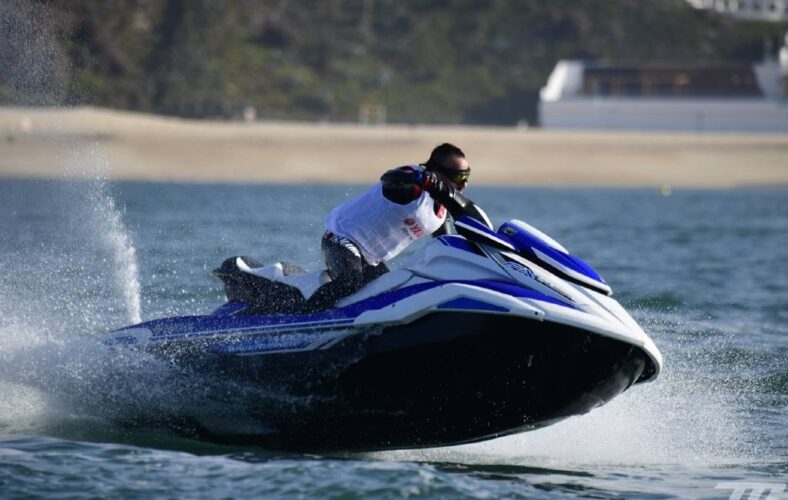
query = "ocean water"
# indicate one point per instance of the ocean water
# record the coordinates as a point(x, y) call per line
point(704, 272)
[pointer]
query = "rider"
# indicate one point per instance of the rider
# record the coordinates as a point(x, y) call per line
point(408, 203)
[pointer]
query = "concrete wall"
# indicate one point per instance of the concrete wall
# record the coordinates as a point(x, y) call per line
point(747, 115)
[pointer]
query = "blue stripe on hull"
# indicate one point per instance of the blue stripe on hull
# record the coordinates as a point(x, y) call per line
point(185, 327)
point(465, 303)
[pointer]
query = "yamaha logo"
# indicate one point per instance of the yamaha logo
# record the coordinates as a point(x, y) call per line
point(413, 227)
point(517, 267)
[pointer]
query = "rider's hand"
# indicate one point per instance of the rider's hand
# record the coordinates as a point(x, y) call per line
point(430, 180)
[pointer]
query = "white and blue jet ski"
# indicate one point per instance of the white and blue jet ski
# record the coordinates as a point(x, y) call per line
point(480, 334)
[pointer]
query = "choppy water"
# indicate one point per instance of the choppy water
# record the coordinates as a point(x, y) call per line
point(703, 271)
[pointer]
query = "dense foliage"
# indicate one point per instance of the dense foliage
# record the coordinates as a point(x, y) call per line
point(426, 61)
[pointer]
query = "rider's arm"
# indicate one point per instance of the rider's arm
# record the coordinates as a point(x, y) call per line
point(401, 185)
point(405, 184)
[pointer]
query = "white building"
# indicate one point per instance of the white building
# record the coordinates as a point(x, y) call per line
point(582, 94)
point(763, 10)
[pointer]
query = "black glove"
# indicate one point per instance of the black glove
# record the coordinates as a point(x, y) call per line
point(431, 183)
point(428, 179)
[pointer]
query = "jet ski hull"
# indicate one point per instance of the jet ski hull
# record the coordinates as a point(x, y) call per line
point(444, 379)
point(479, 335)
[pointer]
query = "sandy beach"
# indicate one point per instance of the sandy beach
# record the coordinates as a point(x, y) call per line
point(51, 143)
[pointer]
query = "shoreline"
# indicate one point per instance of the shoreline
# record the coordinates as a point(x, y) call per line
point(83, 142)
point(668, 189)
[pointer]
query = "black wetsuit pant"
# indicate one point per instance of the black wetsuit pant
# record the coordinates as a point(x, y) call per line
point(348, 269)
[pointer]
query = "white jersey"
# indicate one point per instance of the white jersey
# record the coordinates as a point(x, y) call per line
point(381, 228)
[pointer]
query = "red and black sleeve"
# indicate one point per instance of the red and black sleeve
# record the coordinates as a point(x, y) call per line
point(401, 185)
point(404, 184)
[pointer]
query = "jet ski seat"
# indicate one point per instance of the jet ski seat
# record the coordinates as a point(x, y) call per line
point(280, 287)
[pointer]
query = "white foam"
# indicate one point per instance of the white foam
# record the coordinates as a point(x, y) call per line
point(22, 408)
point(82, 281)
point(105, 225)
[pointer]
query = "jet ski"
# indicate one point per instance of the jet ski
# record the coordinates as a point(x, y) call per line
point(478, 335)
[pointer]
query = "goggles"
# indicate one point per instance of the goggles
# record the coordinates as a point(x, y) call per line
point(456, 176)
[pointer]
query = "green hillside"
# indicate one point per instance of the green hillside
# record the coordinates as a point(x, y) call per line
point(426, 61)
